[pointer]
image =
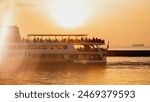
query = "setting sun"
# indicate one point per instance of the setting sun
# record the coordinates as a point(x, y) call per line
point(70, 13)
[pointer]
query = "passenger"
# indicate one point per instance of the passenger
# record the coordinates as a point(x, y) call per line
point(64, 40)
point(96, 40)
point(38, 39)
point(46, 40)
point(68, 40)
point(41, 40)
point(93, 40)
point(86, 39)
point(56, 40)
point(34, 40)
point(103, 41)
point(49, 40)
point(99, 40)
point(89, 40)
point(82, 39)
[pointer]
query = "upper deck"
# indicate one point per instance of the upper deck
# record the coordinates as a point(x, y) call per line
point(63, 38)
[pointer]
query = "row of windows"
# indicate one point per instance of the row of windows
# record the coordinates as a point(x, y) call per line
point(64, 47)
point(73, 56)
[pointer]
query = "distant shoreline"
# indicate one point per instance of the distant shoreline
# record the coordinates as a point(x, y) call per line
point(132, 53)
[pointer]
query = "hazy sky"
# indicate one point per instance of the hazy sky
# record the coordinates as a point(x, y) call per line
point(122, 22)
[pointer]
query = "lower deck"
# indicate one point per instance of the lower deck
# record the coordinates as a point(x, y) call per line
point(55, 57)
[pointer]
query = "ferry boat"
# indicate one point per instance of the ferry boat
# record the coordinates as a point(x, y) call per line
point(54, 48)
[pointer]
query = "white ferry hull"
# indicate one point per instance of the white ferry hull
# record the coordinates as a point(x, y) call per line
point(18, 58)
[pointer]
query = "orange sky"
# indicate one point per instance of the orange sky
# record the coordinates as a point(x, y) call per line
point(122, 22)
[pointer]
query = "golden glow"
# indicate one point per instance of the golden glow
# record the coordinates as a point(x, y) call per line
point(70, 13)
point(7, 20)
point(122, 22)
point(4, 28)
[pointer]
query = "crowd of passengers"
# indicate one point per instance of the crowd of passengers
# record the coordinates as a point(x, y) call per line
point(93, 40)
point(91, 50)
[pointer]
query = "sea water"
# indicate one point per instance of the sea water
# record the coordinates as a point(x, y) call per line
point(118, 71)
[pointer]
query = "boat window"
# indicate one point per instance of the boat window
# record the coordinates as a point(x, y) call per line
point(79, 47)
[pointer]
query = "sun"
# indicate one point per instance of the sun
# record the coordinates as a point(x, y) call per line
point(70, 13)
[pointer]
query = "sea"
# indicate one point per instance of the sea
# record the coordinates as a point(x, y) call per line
point(117, 71)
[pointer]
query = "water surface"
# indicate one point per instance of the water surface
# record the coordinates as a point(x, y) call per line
point(119, 70)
